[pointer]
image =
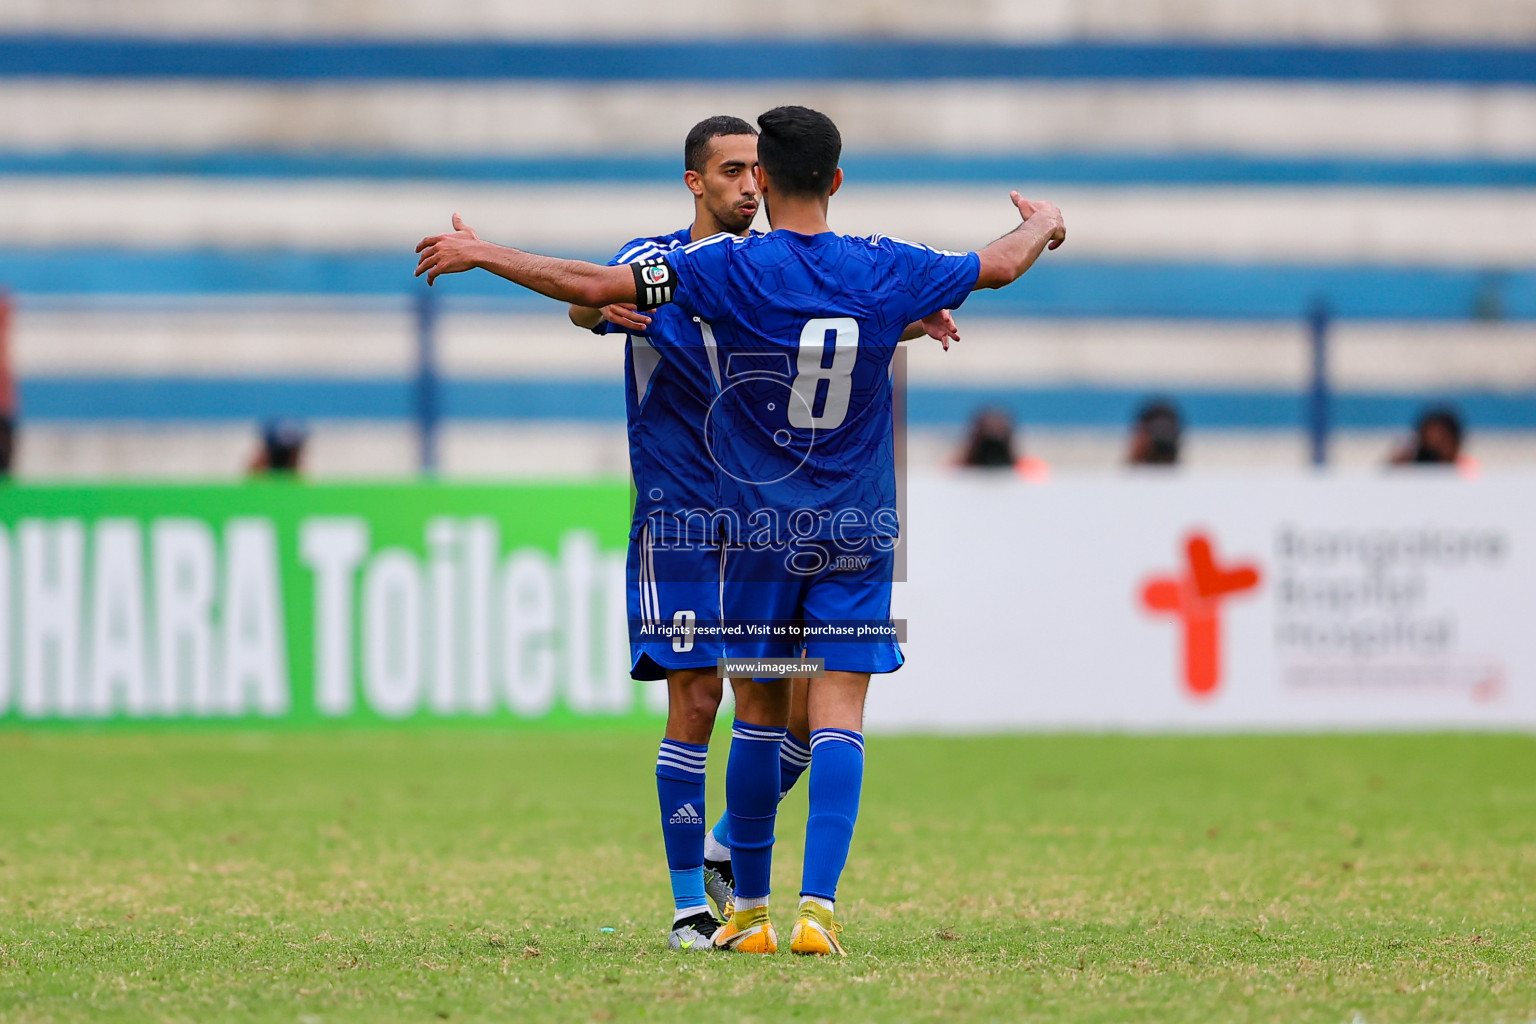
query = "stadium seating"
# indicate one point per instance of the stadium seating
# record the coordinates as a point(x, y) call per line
point(201, 231)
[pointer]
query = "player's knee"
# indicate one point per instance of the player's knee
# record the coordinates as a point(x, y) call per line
point(701, 707)
point(762, 703)
point(695, 702)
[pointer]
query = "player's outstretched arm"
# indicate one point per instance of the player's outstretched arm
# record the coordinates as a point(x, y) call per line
point(573, 281)
point(1005, 260)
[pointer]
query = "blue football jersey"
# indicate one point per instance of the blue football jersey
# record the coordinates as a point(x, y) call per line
point(668, 389)
point(805, 328)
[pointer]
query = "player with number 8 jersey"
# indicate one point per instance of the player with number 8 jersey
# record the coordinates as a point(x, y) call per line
point(806, 327)
point(805, 323)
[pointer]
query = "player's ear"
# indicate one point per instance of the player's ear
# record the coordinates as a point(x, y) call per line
point(695, 181)
point(761, 179)
point(837, 181)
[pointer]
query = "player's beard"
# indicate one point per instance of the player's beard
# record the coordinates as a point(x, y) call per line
point(734, 220)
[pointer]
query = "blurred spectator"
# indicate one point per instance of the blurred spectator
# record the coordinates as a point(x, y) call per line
point(1436, 441)
point(991, 445)
point(7, 444)
point(991, 440)
point(282, 448)
point(7, 392)
point(1155, 435)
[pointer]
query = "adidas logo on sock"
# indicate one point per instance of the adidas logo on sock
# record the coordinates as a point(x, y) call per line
point(686, 815)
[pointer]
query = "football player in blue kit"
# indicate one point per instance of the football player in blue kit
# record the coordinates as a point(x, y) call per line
point(805, 322)
point(674, 567)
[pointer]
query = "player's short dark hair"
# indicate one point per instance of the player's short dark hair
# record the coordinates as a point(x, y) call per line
point(696, 146)
point(798, 149)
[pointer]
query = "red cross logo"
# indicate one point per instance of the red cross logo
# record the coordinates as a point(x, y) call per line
point(1195, 596)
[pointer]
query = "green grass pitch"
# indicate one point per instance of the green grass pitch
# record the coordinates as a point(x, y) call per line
point(468, 875)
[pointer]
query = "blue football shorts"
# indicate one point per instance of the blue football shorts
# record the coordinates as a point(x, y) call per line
point(839, 594)
point(673, 606)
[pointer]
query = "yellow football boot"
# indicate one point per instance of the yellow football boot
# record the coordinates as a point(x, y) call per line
point(816, 933)
point(748, 931)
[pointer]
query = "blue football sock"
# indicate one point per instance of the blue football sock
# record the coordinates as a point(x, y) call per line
point(794, 759)
point(680, 787)
point(752, 798)
point(837, 776)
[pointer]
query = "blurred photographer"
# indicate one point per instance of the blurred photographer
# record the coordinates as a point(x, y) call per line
point(7, 443)
point(7, 393)
point(990, 444)
point(282, 449)
point(1436, 441)
point(1156, 435)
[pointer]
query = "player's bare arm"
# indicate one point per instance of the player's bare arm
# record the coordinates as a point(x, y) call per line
point(939, 326)
point(620, 314)
point(1005, 260)
point(584, 317)
point(574, 281)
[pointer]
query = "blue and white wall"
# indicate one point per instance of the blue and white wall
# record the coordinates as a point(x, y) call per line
point(207, 211)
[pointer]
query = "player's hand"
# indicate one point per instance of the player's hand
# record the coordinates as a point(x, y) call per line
point(452, 253)
point(941, 327)
point(624, 314)
point(1031, 209)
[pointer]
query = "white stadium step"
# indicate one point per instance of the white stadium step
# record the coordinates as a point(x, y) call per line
point(1370, 20)
point(336, 451)
point(1300, 118)
point(1398, 226)
point(246, 339)
point(569, 450)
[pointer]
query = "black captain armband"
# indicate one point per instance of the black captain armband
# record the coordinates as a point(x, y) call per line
point(655, 281)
